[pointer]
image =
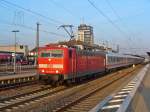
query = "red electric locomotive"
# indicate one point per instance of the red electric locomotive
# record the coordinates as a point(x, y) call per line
point(64, 63)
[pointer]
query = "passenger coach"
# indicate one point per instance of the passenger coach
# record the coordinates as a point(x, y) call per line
point(114, 60)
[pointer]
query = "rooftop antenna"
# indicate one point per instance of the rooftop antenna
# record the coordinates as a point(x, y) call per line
point(69, 30)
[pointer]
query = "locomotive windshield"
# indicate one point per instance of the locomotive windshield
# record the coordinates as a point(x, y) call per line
point(52, 54)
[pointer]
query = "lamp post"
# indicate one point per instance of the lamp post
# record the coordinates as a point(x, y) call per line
point(37, 44)
point(15, 31)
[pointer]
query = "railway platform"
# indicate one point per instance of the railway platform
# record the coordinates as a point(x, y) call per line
point(141, 100)
point(134, 97)
point(9, 79)
point(24, 73)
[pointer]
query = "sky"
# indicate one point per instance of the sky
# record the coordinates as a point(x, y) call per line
point(116, 22)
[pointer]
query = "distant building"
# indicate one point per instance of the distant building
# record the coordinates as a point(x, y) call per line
point(85, 34)
point(20, 49)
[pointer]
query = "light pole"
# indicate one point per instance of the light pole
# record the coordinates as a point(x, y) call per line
point(37, 44)
point(15, 31)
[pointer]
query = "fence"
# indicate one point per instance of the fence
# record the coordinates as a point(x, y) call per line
point(9, 69)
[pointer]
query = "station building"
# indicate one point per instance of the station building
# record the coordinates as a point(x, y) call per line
point(20, 49)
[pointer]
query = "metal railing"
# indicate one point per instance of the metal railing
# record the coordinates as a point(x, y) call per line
point(9, 68)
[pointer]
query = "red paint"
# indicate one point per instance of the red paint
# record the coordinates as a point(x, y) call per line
point(74, 62)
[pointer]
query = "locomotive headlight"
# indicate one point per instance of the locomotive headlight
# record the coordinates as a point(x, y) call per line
point(43, 71)
point(57, 71)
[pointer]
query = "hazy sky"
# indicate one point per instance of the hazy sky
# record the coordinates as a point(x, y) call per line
point(126, 22)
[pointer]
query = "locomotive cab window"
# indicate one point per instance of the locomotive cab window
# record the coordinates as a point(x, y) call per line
point(44, 54)
point(52, 54)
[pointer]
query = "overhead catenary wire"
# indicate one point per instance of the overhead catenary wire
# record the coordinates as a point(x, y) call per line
point(108, 19)
point(113, 10)
point(6, 6)
point(61, 6)
point(65, 9)
point(131, 35)
point(25, 26)
point(34, 29)
point(119, 18)
point(104, 15)
point(32, 12)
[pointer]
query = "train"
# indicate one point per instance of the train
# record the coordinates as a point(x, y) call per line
point(5, 57)
point(60, 64)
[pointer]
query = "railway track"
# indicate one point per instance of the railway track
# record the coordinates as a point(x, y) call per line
point(14, 92)
point(91, 97)
point(73, 103)
point(63, 98)
point(12, 102)
point(66, 99)
point(17, 85)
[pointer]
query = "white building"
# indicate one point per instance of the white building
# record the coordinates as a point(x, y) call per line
point(85, 34)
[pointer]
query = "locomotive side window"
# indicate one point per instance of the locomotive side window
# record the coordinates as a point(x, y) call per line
point(70, 53)
point(57, 53)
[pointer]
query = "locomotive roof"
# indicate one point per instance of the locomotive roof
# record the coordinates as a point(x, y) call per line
point(77, 43)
